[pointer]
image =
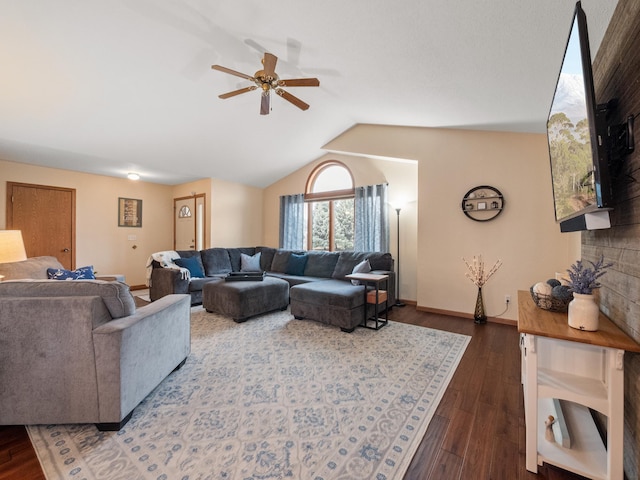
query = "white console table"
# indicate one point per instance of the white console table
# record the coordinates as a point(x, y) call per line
point(587, 370)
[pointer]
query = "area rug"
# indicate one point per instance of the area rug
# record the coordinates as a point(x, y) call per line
point(272, 398)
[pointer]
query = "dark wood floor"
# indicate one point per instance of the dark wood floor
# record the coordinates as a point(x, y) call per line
point(477, 431)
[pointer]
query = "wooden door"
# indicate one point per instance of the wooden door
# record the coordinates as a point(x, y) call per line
point(46, 217)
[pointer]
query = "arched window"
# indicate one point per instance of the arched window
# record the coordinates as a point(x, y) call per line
point(330, 210)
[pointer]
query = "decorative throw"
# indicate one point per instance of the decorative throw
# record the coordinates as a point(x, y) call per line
point(272, 398)
point(165, 259)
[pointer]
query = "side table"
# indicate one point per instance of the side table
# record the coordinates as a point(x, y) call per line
point(374, 297)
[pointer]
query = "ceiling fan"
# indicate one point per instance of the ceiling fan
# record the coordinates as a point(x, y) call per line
point(267, 80)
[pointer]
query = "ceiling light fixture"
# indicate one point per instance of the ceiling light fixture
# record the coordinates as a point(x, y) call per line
point(133, 176)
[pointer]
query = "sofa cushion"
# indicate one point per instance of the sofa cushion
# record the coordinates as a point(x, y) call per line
point(193, 264)
point(34, 267)
point(280, 259)
point(347, 261)
point(250, 263)
point(266, 257)
point(115, 295)
point(216, 261)
point(321, 264)
point(296, 264)
point(82, 273)
point(381, 261)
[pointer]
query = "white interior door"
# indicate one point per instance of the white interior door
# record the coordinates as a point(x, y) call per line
point(185, 223)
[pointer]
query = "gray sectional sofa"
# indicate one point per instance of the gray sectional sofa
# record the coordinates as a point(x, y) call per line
point(318, 292)
point(80, 351)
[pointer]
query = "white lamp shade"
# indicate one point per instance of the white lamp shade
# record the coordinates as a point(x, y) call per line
point(11, 246)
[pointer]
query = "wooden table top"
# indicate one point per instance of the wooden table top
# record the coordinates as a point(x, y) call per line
point(369, 277)
point(537, 321)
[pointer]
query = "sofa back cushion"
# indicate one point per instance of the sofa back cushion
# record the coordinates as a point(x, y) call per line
point(321, 264)
point(235, 256)
point(266, 257)
point(115, 295)
point(216, 261)
point(346, 263)
point(380, 261)
point(34, 267)
point(280, 261)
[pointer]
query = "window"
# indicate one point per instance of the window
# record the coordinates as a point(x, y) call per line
point(330, 208)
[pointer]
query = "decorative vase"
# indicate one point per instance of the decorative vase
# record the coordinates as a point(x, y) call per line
point(583, 312)
point(479, 315)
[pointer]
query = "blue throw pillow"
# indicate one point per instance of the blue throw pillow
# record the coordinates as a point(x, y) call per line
point(192, 264)
point(82, 273)
point(296, 264)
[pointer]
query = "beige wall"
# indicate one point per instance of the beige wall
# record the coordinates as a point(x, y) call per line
point(234, 215)
point(402, 180)
point(99, 240)
point(525, 235)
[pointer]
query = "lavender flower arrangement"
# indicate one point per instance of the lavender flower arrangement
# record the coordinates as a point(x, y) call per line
point(583, 279)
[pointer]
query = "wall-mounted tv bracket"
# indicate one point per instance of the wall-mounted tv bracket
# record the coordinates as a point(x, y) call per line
point(620, 138)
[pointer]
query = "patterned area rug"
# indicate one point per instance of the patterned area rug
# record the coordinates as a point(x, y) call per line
point(272, 398)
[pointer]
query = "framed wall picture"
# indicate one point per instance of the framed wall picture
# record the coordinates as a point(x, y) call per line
point(129, 212)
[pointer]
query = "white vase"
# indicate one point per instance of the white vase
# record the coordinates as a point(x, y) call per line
point(583, 312)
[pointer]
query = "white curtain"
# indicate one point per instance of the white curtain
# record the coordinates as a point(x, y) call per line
point(292, 223)
point(371, 219)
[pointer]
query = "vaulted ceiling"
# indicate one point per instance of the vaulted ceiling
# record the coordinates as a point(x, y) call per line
point(112, 86)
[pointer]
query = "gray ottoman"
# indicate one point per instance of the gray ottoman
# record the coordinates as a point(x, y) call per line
point(243, 299)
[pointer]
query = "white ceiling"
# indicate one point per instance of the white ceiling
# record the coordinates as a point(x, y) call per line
point(112, 86)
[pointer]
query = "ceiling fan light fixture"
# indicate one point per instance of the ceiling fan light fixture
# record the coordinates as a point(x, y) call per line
point(267, 79)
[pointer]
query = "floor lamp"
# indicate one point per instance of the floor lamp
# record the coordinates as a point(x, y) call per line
point(398, 302)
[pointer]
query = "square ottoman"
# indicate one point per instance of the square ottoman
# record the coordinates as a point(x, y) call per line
point(241, 300)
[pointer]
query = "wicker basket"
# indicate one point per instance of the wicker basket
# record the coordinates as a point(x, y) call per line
point(547, 302)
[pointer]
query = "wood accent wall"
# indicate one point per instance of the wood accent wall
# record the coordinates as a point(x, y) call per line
point(616, 70)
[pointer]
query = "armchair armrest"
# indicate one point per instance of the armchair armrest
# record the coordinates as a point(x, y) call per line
point(135, 353)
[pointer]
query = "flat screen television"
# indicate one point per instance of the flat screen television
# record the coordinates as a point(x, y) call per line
point(576, 132)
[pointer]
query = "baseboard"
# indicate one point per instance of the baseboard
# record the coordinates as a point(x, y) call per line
point(451, 313)
point(138, 287)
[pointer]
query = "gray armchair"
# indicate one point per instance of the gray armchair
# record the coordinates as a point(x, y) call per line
point(80, 351)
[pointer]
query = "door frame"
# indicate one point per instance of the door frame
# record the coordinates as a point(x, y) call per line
point(195, 197)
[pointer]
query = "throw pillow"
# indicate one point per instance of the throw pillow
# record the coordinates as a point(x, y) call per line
point(82, 273)
point(249, 263)
point(296, 264)
point(192, 264)
point(362, 267)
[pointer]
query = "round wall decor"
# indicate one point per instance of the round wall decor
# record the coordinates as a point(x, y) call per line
point(482, 203)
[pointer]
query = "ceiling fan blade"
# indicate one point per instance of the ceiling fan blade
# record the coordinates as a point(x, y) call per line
point(265, 103)
point(293, 99)
point(269, 63)
point(232, 72)
point(237, 92)
point(300, 82)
